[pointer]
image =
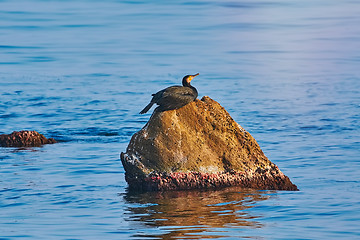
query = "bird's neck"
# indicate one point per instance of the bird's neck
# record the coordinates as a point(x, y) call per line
point(185, 83)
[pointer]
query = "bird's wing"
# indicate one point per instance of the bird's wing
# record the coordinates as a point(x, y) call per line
point(174, 97)
point(177, 91)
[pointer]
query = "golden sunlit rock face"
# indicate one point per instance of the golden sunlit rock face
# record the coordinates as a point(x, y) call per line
point(198, 146)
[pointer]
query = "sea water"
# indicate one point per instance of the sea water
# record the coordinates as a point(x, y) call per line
point(80, 71)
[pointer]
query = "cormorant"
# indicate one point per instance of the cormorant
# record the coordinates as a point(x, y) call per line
point(174, 97)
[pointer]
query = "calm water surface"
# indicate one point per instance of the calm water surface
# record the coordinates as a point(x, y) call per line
point(80, 71)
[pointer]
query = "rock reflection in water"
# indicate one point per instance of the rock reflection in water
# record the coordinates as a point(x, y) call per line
point(193, 214)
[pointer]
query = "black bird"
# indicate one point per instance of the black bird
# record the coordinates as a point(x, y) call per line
point(174, 97)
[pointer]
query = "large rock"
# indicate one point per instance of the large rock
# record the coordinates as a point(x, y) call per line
point(24, 139)
point(198, 146)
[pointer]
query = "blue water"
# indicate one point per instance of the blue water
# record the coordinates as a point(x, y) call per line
point(80, 71)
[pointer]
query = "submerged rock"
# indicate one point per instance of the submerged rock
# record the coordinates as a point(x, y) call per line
point(24, 139)
point(198, 146)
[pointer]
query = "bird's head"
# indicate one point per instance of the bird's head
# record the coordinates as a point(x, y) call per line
point(187, 79)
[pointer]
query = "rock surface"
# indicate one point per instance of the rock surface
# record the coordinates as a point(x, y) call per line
point(198, 146)
point(24, 139)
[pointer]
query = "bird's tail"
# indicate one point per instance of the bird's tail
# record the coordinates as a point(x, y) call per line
point(147, 108)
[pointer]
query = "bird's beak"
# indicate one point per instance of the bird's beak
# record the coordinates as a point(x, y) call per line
point(192, 76)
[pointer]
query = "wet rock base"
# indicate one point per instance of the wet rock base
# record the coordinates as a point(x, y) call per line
point(272, 179)
point(24, 139)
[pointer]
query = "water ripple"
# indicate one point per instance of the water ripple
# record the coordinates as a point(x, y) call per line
point(81, 72)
